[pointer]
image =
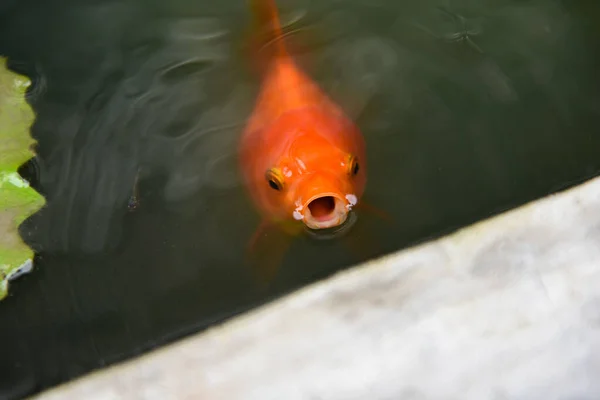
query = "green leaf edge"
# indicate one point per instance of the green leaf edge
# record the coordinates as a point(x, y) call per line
point(18, 200)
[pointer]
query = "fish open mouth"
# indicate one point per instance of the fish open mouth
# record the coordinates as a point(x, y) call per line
point(322, 207)
point(325, 211)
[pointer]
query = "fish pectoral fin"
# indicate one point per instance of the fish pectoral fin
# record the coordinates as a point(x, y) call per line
point(362, 245)
point(292, 228)
point(260, 231)
point(266, 251)
point(368, 208)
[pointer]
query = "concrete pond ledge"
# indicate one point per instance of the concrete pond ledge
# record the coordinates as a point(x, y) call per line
point(508, 308)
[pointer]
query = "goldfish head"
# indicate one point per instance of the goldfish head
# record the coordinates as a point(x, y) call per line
point(308, 165)
point(319, 189)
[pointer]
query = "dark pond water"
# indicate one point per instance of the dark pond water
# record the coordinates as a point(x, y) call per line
point(468, 108)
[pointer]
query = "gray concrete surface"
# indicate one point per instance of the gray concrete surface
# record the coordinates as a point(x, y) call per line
point(505, 309)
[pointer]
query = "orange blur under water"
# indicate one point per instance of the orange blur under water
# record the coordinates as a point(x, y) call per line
point(302, 159)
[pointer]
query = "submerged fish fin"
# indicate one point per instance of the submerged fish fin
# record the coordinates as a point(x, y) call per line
point(134, 200)
point(362, 246)
point(260, 231)
point(292, 228)
point(266, 251)
point(360, 241)
point(367, 207)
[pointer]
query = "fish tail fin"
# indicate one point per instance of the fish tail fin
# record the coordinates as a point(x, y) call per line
point(266, 40)
point(267, 15)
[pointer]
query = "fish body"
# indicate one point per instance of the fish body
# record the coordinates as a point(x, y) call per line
point(302, 159)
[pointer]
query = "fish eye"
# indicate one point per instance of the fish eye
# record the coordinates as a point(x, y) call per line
point(353, 165)
point(275, 178)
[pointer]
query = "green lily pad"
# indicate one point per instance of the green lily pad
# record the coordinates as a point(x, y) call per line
point(17, 199)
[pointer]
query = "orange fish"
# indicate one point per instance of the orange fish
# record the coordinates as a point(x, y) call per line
point(302, 159)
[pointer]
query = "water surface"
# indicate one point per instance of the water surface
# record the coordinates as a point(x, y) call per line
point(469, 108)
